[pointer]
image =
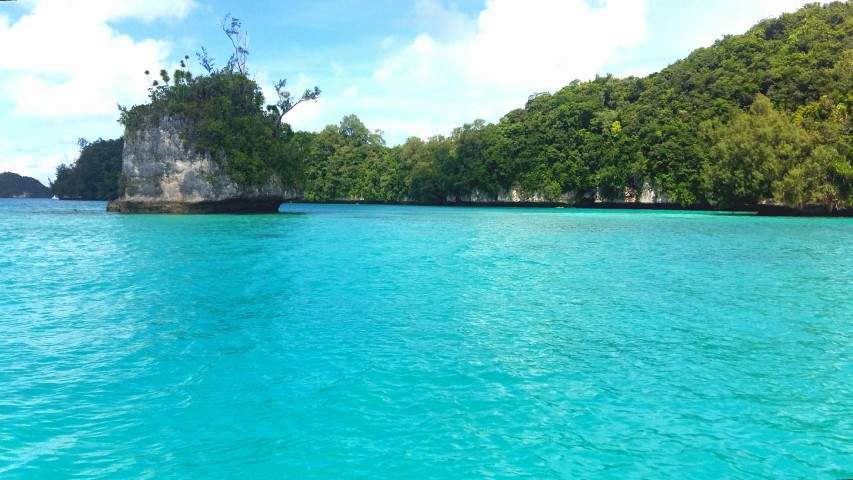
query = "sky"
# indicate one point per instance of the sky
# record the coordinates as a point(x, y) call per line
point(404, 67)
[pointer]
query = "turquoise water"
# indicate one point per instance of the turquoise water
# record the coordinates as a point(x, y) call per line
point(413, 342)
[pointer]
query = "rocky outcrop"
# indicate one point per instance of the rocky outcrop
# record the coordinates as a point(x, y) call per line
point(161, 173)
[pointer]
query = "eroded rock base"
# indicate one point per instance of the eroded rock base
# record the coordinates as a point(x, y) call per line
point(234, 205)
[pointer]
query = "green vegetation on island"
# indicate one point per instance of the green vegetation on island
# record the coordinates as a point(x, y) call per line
point(762, 118)
point(223, 114)
point(13, 185)
point(94, 175)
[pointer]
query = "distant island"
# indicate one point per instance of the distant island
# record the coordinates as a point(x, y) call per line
point(13, 185)
point(761, 121)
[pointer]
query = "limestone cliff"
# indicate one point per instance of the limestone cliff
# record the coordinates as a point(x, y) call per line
point(647, 198)
point(162, 173)
point(627, 198)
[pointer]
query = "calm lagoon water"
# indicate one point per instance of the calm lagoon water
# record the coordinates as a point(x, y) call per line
point(412, 342)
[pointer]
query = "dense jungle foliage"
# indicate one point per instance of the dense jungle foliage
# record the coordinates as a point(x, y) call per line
point(94, 175)
point(223, 114)
point(755, 118)
point(763, 116)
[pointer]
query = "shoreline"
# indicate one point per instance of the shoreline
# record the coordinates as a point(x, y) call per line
point(760, 210)
point(271, 206)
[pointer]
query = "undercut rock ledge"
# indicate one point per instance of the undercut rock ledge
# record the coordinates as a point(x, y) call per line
point(234, 205)
point(163, 174)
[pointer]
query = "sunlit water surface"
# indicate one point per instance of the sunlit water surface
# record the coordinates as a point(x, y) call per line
point(411, 342)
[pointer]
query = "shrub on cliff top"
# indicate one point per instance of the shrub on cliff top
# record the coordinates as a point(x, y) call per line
point(223, 114)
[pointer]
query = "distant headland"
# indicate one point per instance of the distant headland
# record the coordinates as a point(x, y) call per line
point(13, 185)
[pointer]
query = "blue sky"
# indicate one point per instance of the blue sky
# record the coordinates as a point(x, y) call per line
point(405, 67)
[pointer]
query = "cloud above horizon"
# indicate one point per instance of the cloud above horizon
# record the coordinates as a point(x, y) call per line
point(89, 66)
point(483, 67)
point(66, 70)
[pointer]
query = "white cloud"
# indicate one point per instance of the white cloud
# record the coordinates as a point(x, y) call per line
point(526, 46)
point(40, 167)
point(443, 23)
point(89, 67)
point(544, 44)
point(483, 67)
point(64, 61)
point(308, 112)
point(304, 113)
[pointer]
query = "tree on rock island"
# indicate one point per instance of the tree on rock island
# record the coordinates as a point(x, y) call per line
point(223, 113)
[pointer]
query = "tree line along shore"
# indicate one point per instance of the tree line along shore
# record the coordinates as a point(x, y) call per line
point(760, 120)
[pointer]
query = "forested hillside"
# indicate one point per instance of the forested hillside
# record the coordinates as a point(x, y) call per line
point(757, 117)
point(14, 185)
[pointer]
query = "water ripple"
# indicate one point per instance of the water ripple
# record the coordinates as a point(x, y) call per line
point(391, 342)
